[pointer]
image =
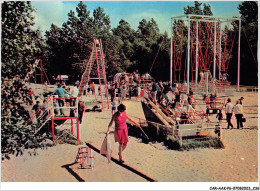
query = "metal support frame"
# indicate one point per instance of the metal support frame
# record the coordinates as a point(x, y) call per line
point(96, 55)
point(171, 52)
point(188, 57)
point(238, 59)
point(204, 18)
point(197, 54)
point(215, 42)
point(65, 118)
point(219, 51)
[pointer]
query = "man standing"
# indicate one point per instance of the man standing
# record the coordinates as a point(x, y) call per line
point(228, 110)
point(74, 92)
point(61, 93)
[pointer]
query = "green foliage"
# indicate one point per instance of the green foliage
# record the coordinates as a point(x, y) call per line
point(15, 135)
point(196, 9)
point(249, 44)
point(249, 18)
point(20, 43)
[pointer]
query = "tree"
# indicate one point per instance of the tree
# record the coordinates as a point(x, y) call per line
point(70, 46)
point(196, 10)
point(249, 42)
point(20, 43)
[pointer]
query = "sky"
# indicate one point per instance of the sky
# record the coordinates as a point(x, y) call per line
point(55, 12)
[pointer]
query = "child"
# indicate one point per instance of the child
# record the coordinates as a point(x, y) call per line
point(113, 106)
point(220, 117)
point(142, 94)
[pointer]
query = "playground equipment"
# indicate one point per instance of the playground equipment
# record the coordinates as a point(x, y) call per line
point(120, 78)
point(207, 42)
point(84, 157)
point(97, 57)
point(47, 113)
point(36, 65)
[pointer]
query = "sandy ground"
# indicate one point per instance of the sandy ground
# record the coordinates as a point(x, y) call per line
point(237, 162)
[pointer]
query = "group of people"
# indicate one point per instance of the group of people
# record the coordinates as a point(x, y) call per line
point(73, 93)
point(63, 94)
point(237, 109)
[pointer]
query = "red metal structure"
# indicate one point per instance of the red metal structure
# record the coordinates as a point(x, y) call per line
point(46, 113)
point(98, 58)
point(37, 65)
point(203, 43)
point(84, 157)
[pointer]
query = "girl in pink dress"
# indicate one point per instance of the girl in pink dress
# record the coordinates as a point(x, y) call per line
point(121, 131)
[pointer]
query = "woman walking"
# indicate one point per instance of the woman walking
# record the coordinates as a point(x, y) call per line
point(238, 110)
point(121, 131)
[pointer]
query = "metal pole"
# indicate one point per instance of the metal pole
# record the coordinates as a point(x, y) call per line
point(197, 56)
point(188, 57)
point(171, 51)
point(215, 41)
point(104, 71)
point(207, 82)
point(220, 35)
point(78, 129)
point(71, 126)
point(98, 73)
point(52, 125)
point(238, 59)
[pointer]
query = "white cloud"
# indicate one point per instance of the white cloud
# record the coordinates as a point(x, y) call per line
point(51, 12)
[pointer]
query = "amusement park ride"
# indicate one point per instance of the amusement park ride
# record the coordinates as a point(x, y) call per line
point(207, 42)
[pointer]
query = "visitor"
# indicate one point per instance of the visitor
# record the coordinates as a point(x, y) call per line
point(147, 76)
point(81, 110)
point(93, 88)
point(55, 105)
point(61, 93)
point(36, 110)
point(241, 100)
point(136, 77)
point(154, 90)
point(178, 110)
point(159, 92)
point(228, 110)
point(130, 92)
point(212, 100)
point(77, 83)
point(113, 93)
point(238, 111)
point(74, 92)
point(142, 94)
point(121, 131)
point(138, 93)
point(113, 106)
point(67, 99)
point(220, 117)
point(166, 89)
point(30, 97)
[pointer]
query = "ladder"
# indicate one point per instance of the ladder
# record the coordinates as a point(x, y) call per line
point(36, 64)
point(28, 75)
point(97, 57)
